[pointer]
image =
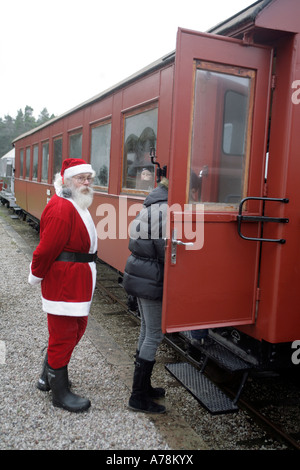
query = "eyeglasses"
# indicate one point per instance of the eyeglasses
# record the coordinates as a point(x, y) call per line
point(83, 179)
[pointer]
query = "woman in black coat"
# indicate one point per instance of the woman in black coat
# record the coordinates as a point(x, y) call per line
point(143, 278)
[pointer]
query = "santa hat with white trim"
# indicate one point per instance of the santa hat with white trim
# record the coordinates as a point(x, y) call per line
point(75, 166)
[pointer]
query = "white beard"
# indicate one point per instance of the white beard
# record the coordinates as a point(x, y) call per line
point(83, 196)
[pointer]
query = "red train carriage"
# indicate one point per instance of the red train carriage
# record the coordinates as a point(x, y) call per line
point(114, 131)
point(214, 110)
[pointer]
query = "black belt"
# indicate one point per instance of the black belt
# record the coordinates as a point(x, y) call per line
point(77, 257)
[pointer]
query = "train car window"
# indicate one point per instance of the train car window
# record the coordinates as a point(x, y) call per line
point(140, 131)
point(21, 163)
point(220, 138)
point(45, 161)
point(57, 156)
point(9, 169)
point(100, 153)
point(35, 161)
point(27, 163)
point(75, 145)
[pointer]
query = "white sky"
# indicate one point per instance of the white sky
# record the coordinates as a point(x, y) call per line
point(59, 53)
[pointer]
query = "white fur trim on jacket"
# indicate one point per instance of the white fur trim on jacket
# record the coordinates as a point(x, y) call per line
point(32, 279)
point(74, 309)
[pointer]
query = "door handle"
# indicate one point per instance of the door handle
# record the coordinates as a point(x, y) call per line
point(174, 244)
point(178, 242)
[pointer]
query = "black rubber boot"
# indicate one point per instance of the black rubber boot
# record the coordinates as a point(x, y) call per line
point(139, 399)
point(153, 392)
point(43, 383)
point(61, 395)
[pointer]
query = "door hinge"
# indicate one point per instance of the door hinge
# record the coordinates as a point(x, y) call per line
point(273, 82)
point(257, 298)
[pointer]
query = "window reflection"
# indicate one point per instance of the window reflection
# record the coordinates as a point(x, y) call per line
point(27, 163)
point(221, 129)
point(100, 153)
point(75, 145)
point(139, 136)
point(235, 121)
point(35, 161)
point(45, 161)
point(57, 156)
point(21, 163)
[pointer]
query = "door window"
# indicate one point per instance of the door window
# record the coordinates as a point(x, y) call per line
point(220, 134)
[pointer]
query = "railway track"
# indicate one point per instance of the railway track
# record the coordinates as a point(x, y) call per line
point(180, 344)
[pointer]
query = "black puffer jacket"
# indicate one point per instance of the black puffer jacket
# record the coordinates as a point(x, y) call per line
point(144, 270)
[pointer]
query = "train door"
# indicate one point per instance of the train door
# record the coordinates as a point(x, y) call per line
point(219, 140)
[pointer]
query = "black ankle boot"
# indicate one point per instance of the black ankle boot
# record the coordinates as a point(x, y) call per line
point(139, 399)
point(61, 395)
point(43, 383)
point(153, 392)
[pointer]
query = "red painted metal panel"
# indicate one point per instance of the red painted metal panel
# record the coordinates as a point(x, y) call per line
point(279, 307)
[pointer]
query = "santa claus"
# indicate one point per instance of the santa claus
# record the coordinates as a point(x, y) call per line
point(64, 264)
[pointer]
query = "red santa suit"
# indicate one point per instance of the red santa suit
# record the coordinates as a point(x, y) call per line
point(67, 286)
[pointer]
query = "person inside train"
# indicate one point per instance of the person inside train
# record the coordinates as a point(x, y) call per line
point(146, 180)
point(143, 279)
point(66, 256)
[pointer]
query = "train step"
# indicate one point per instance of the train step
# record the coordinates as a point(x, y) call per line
point(222, 356)
point(206, 392)
point(200, 386)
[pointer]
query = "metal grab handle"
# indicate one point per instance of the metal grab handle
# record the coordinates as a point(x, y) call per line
point(261, 218)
